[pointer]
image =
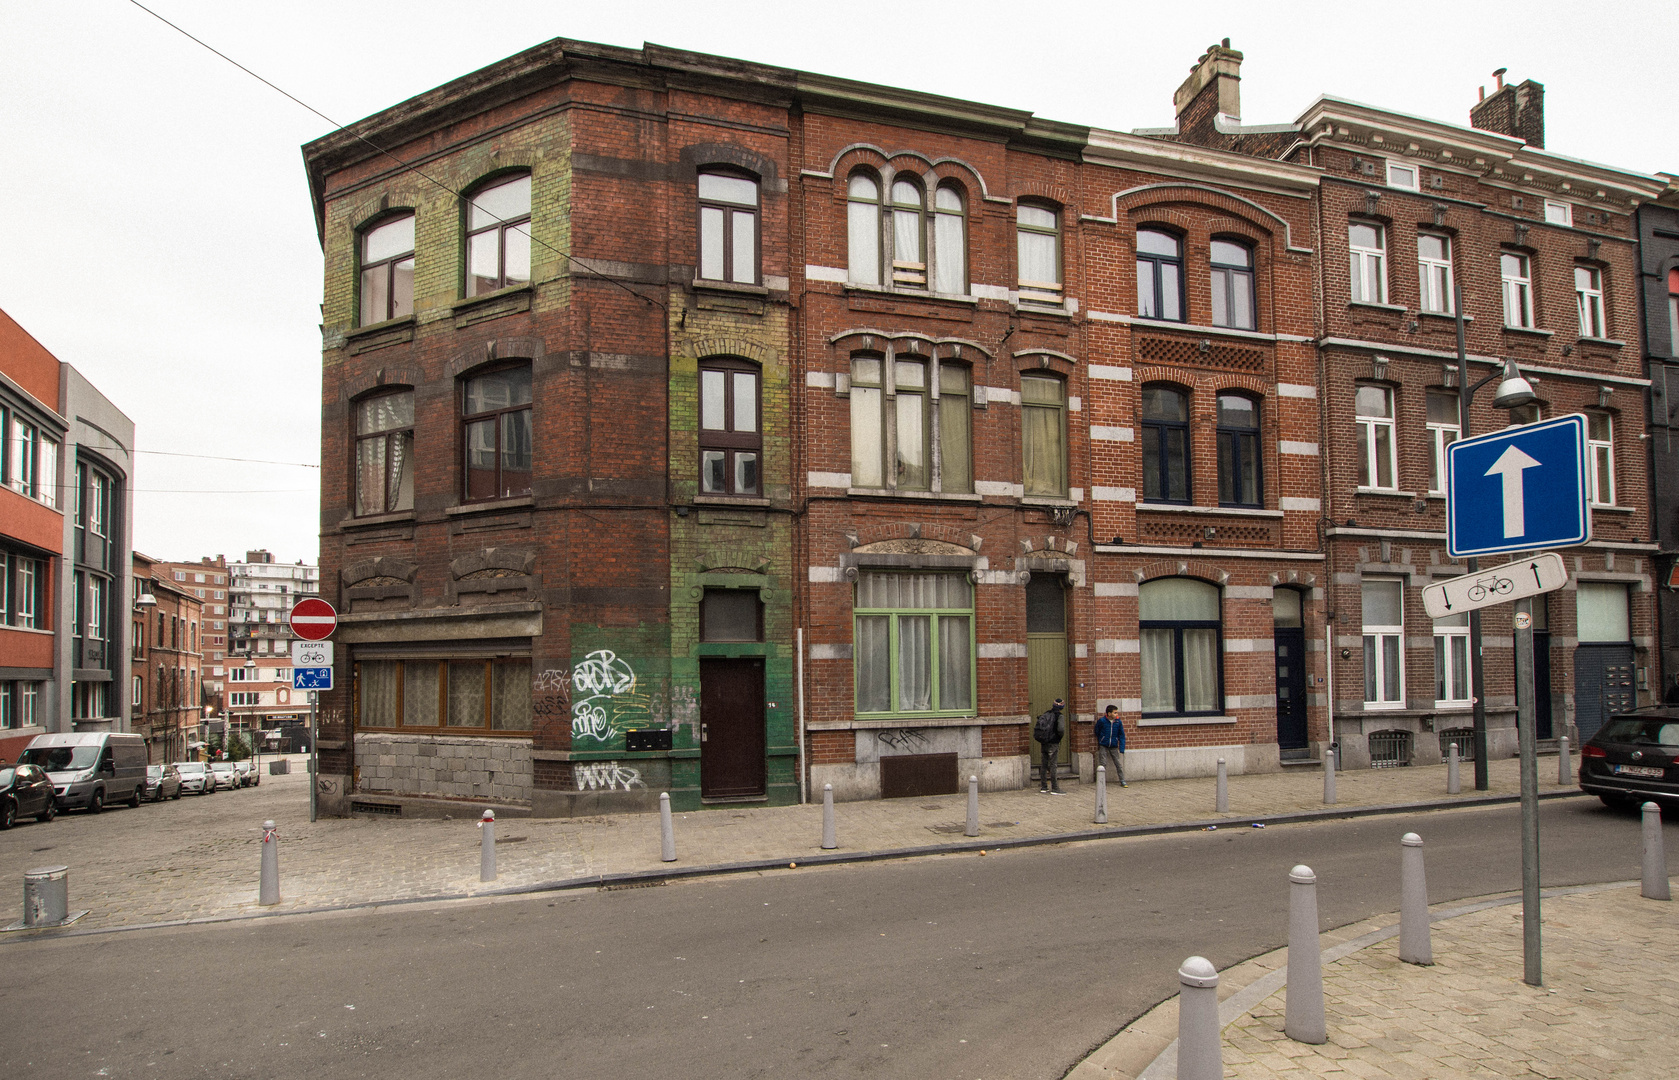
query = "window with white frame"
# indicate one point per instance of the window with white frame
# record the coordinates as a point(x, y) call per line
point(1374, 408)
point(900, 409)
point(1367, 270)
point(46, 473)
point(1434, 272)
point(1401, 175)
point(1600, 445)
point(1451, 660)
point(1559, 213)
point(1516, 273)
point(22, 439)
point(1384, 642)
point(1443, 431)
point(1588, 299)
point(914, 635)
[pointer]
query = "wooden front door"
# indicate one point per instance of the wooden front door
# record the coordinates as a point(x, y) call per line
point(1046, 657)
point(732, 740)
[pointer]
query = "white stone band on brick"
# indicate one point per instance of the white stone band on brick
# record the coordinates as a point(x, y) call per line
point(830, 652)
point(990, 292)
point(1250, 644)
point(1109, 372)
point(1296, 503)
point(1116, 588)
point(826, 273)
point(1304, 449)
point(824, 380)
point(1118, 645)
point(998, 487)
point(1106, 433)
point(826, 575)
point(1001, 395)
point(840, 480)
point(1247, 592)
point(1300, 390)
point(1001, 650)
point(1113, 494)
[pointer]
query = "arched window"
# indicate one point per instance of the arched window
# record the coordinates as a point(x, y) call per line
point(909, 235)
point(1232, 271)
point(498, 235)
point(903, 425)
point(1159, 275)
point(387, 270)
point(1673, 312)
point(863, 229)
point(1165, 444)
point(1043, 435)
point(730, 429)
point(1038, 243)
point(1239, 479)
point(384, 452)
point(728, 228)
point(1178, 620)
point(950, 241)
point(496, 432)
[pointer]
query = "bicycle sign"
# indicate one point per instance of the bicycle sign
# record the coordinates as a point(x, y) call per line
point(1528, 577)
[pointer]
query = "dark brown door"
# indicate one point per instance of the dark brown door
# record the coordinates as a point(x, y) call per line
point(731, 729)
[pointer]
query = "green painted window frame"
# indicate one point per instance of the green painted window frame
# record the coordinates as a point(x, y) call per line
point(937, 687)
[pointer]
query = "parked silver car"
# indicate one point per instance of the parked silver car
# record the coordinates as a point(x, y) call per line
point(196, 778)
point(226, 775)
point(247, 773)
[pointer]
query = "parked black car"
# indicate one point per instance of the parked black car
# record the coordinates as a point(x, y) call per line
point(25, 790)
point(1632, 758)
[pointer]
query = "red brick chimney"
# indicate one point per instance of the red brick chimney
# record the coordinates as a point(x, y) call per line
point(1213, 88)
point(1517, 110)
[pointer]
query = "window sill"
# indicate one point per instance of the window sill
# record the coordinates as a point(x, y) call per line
point(1044, 307)
point(1183, 721)
point(1607, 342)
point(1392, 493)
point(378, 328)
point(734, 287)
point(470, 302)
point(1140, 322)
point(1448, 316)
point(916, 294)
point(1387, 706)
point(1215, 511)
point(1530, 330)
point(1397, 309)
point(933, 496)
point(1599, 508)
point(353, 522)
point(491, 505)
point(730, 500)
point(1047, 500)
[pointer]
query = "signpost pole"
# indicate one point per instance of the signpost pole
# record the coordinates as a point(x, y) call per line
point(1477, 687)
point(314, 750)
point(1527, 733)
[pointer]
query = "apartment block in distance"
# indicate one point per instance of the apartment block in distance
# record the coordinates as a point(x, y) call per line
point(259, 694)
point(166, 700)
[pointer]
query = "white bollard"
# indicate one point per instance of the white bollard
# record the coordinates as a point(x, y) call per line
point(46, 896)
point(1222, 801)
point(972, 828)
point(829, 840)
point(1655, 859)
point(1415, 946)
point(667, 834)
point(487, 847)
point(1453, 785)
point(1303, 1017)
point(1200, 1046)
point(268, 891)
point(1328, 777)
point(1565, 767)
point(1101, 795)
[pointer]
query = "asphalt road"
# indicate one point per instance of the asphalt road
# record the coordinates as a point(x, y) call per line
point(1002, 966)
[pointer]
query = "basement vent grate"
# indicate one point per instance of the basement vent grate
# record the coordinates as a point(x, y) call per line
point(386, 809)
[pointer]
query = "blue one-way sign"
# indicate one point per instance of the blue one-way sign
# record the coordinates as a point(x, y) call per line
point(1524, 489)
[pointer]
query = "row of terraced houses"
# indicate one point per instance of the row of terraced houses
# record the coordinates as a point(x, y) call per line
point(708, 427)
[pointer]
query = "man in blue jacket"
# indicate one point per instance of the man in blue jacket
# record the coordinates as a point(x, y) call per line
point(1110, 737)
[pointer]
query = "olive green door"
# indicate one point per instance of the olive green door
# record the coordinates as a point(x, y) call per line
point(1046, 655)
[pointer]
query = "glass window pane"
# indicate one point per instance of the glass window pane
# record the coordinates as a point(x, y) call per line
point(400, 486)
point(948, 198)
point(746, 401)
point(516, 268)
point(419, 693)
point(955, 455)
point(1035, 215)
point(375, 295)
point(1041, 442)
point(1390, 667)
point(1369, 668)
point(915, 662)
point(1374, 401)
point(1241, 300)
point(510, 695)
point(385, 413)
point(483, 262)
point(863, 187)
point(729, 189)
point(863, 239)
point(516, 452)
point(1227, 254)
point(951, 246)
point(1431, 247)
point(1602, 610)
point(1286, 608)
point(904, 193)
point(746, 473)
point(713, 394)
point(729, 615)
point(1381, 602)
point(1151, 462)
point(865, 372)
point(1598, 424)
point(1365, 236)
point(481, 460)
point(746, 248)
point(1200, 670)
point(1460, 667)
point(402, 289)
point(906, 236)
point(378, 692)
point(1157, 243)
point(1147, 304)
point(711, 243)
point(1221, 298)
point(1171, 304)
point(1442, 408)
point(1040, 391)
point(1037, 259)
point(1177, 464)
point(388, 240)
point(370, 476)
point(909, 374)
point(912, 465)
point(499, 203)
point(466, 693)
point(1237, 411)
point(867, 443)
point(955, 662)
point(1160, 674)
point(1177, 600)
point(1164, 403)
point(1384, 455)
point(874, 671)
point(713, 477)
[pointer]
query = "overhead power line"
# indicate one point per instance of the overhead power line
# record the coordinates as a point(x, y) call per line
point(416, 170)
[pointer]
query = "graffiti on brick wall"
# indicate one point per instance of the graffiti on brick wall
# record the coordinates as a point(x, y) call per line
point(605, 776)
point(604, 697)
point(551, 699)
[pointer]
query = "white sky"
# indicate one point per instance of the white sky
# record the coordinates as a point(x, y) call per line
point(157, 231)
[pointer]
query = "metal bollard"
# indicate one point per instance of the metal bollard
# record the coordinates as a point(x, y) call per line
point(829, 841)
point(1222, 802)
point(972, 828)
point(1101, 795)
point(1655, 859)
point(1200, 1047)
point(269, 890)
point(1453, 785)
point(487, 853)
point(1303, 1017)
point(1415, 946)
point(1328, 777)
point(46, 896)
point(1565, 767)
point(667, 834)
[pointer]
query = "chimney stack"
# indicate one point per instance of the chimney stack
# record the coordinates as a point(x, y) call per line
point(1517, 110)
point(1218, 71)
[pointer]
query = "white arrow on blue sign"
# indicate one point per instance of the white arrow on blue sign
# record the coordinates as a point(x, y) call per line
point(1523, 489)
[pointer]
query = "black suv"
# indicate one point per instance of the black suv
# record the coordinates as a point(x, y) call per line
point(1632, 758)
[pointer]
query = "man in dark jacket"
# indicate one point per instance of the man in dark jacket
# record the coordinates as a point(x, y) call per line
point(1049, 731)
point(1110, 739)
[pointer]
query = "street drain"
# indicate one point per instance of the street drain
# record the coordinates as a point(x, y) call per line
point(621, 885)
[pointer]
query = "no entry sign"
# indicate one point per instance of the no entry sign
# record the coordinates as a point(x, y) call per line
point(313, 619)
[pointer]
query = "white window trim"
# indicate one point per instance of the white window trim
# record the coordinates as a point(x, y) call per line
point(1368, 266)
point(1400, 168)
point(1607, 448)
point(1517, 290)
point(1589, 303)
point(1437, 439)
point(1565, 213)
point(1367, 440)
point(1380, 631)
point(1448, 633)
point(1425, 267)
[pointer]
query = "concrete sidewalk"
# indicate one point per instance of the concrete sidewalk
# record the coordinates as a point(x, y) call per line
point(199, 858)
point(1611, 990)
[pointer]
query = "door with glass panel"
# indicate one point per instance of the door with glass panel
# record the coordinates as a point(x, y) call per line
point(1290, 632)
point(1046, 657)
point(1603, 662)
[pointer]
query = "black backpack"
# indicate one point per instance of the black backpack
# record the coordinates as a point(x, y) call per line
point(1048, 727)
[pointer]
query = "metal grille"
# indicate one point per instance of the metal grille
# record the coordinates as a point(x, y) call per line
point(1463, 738)
point(1390, 749)
point(388, 809)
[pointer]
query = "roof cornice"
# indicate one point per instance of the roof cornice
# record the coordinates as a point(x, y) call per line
point(1125, 150)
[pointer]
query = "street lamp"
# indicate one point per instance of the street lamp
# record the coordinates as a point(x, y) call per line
point(250, 676)
point(1513, 392)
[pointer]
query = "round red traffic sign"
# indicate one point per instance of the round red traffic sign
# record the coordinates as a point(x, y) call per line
point(313, 619)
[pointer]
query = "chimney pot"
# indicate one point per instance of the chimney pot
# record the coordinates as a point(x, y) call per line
point(1499, 75)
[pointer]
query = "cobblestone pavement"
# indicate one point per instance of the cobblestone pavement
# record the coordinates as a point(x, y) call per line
point(1606, 1009)
point(199, 857)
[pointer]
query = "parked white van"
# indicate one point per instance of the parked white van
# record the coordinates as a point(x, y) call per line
point(91, 768)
